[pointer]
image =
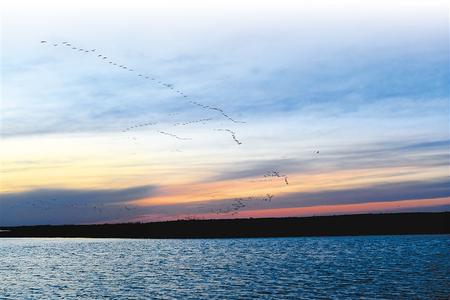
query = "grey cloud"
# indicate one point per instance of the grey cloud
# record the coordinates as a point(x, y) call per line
point(65, 206)
point(68, 196)
point(106, 206)
point(389, 154)
point(257, 168)
point(389, 192)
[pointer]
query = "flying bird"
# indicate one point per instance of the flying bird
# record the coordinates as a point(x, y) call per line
point(268, 197)
point(233, 135)
point(173, 135)
point(272, 174)
point(208, 107)
point(277, 174)
point(192, 122)
point(139, 125)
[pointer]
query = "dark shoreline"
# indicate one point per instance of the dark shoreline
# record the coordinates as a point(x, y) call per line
point(342, 225)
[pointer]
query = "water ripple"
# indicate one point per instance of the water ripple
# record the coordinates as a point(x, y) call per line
point(390, 267)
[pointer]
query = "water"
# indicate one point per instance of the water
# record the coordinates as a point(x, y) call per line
point(394, 267)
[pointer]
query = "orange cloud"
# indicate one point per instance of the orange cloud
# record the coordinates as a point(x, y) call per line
point(321, 210)
point(372, 207)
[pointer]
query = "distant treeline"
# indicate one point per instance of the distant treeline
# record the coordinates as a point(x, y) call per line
point(363, 224)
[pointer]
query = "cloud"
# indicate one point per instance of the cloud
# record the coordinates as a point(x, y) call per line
point(63, 206)
point(79, 207)
point(412, 190)
point(391, 192)
point(425, 154)
point(78, 93)
point(257, 168)
point(439, 144)
point(71, 196)
point(367, 96)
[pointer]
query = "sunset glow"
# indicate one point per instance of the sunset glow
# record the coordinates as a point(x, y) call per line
point(255, 111)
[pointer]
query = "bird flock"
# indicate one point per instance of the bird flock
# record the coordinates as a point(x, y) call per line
point(151, 78)
point(278, 175)
point(53, 204)
point(233, 135)
point(238, 203)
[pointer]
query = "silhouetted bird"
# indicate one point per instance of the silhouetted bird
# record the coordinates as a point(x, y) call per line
point(221, 111)
point(173, 135)
point(269, 197)
point(233, 135)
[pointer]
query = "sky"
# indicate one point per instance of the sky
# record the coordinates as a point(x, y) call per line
point(231, 109)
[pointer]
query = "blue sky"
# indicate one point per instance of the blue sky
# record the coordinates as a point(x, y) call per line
point(367, 84)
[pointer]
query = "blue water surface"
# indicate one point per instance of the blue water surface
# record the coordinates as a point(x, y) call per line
point(373, 267)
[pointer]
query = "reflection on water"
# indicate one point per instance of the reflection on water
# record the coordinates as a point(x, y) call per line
point(287, 268)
